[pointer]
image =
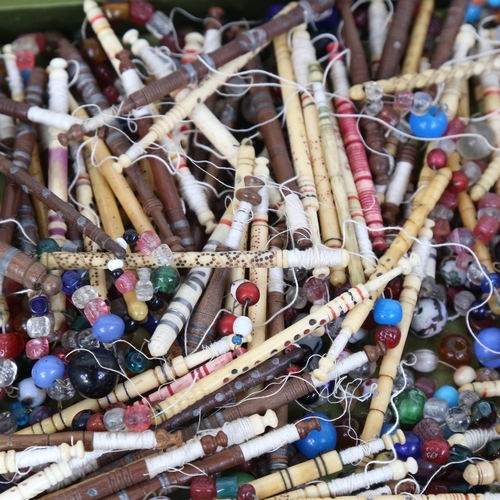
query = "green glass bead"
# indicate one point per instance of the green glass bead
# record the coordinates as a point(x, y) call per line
point(165, 279)
point(79, 324)
point(459, 487)
point(242, 478)
point(47, 245)
point(459, 453)
point(410, 405)
point(493, 449)
point(227, 487)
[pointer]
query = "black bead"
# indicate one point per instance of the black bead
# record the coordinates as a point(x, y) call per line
point(309, 399)
point(130, 324)
point(80, 420)
point(155, 304)
point(130, 236)
point(117, 273)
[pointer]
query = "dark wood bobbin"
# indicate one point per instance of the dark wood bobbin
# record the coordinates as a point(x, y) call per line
point(26, 217)
point(250, 193)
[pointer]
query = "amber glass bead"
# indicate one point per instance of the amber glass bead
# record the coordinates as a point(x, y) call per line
point(436, 450)
point(485, 374)
point(116, 11)
point(483, 413)
point(455, 350)
point(349, 428)
point(428, 428)
point(93, 51)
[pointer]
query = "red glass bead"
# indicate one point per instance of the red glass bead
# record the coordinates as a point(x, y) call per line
point(448, 199)
point(486, 227)
point(290, 314)
point(248, 293)
point(428, 428)
point(203, 488)
point(394, 288)
point(148, 241)
point(25, 60)
point(361, 18)
point(437, 158)
point(111, 94)
point(438, 488)
point(137, 418)
point(426, 385)
point(455, 350)
point(11, 345)
point(459, 182)
point(104, 74)
point(483, 165)
point(95, 423)
point(60, 352)
point(451, 292)
point(225, 324)
point(489, 200)
point(436, 450)
point(349, 428)
point(246, 492)
point(441, 230)
point(455, 127)
point(37, 348)
point(315, 289)
point(140, 12)
point(390, 335)
point(369, 323)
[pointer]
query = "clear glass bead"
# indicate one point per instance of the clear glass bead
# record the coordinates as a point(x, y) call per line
point(40, 326)
point(404, 127)
point(294, 274)
point(476, 273)
point(373, 108)
point(373, 92)
point(144, 290)
point(426, 360)
point(363, 372)
point(159, 24)
point(8, 372)
point(83, 295)
point(62, 390)
point(467, 398)
point(8, 424)
point(113, 420)
point(447, 145)
point(422, 102)
point(476, 146)
point(472, 170)
point(458, 418)
point(85, 339)
point(68, 339)
point(296, 297)
point(436, 408)
point(491, 211)
point(463, 301)
point(441, 212)
point(162, 255)
point(399, 380)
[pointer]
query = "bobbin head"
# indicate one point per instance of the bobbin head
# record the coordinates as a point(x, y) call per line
point(50, 284)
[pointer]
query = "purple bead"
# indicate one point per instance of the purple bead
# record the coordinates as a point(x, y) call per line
point(412, 447)
point(47, 370)
point(108, 328)
point(426, 385)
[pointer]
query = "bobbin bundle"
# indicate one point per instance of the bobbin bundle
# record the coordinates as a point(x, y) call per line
point(219, 254)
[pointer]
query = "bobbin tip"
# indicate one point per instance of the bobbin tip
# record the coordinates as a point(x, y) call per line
point(117, 167)
point(356, 93)
point(157, 348)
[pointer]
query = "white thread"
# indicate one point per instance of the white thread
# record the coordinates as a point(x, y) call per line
point(303, 53)
point(270, 441)
point(383, 490)
point(240, 222)
point(124, 440)
point(7, 127)
point(295, 215)
point(238, 431)
point(213, 40)
point(357, 453)
point(52, 119)
point(14, 78)
point(355, 482)
point(398, 183)
point(174, 458)
point(365, 245)
point(219, 347)
point(276, 282)
point(343, 366)
point(57, 87)
point(100, 119)
point(314, 257)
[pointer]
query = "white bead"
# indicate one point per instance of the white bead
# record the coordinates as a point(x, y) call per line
point(121, 242)
point(243, 326)
point(426, 361)
point(115, 264)
point(29, 394)
point(464, 375)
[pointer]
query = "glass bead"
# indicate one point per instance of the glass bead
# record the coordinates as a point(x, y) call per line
point(79, 323)
point(68, 339)
point(243, 326)
point(137, 418)
point(449, 393)
point(95, 309)
point(463, 301)
point(144, 290)
point(373, 91)
point(429, 319)
point(159, 24)
point(455, 350)
point(428, 428)
point(441, 212)
point(131, 236)
point(140, 11)
point(493, 450)
point(403, 378)
point(422, 102)
point(25, 60)
point(162, 255)
point(411, 448)
point(447, 145)
point(316, 290)
point(39, 306)
point(483, 413)
point(165, 279)
point(40, 326)
point(40, 413)
point(294, 274)
point(441, 230)
point(321, 441)
point(85, 339)
point(203, 488)
point(426, 361)
point(475, 273)
point(227, 487)
point(458, 183)
point(472, 171)
point(80, 420)
point(93, 373)
point(224, 325)
point(62, 390)
point(84, 295)
point(439, 293)
point(47, 370)
point(20, 413)
point(11, 345)
point(387, 312)
point(403, 100)
point(436, 409)
point(47, 245)
point(156, 303)
point(71, 280)
point(458, 419)
point(296, 297)
point(8, 424)
point(389, 115)
point(426, 385)
point(476, 147)
point(485, 374)
point(95, 423)
point(455, 127)
point(486, 227)
point(349, 428)
point(108, 328)
point(37, 348)
point(431, 125)
point(126, 282)
point(403, 130)
point(246, 492)
point(460, 455)
point(246, 293)
point(136, 362)
point(489, 200)
point(437, 158)
point(464, 375)
point(147, 242)
point(438, 487)
point(436, 450)
point(309, 399)
point(463, 236)
point(478, 310)
point(393, 289)
point(363, 372)
point(449, 199)
point(389, 335)
point(410, 405)
point(491, 212)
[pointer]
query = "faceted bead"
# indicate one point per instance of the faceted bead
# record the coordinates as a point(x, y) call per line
point(137, 418)
point(296, 297)
point(93, 373)
point(464, 375)
point(83, 295)
point(421, 103)
point(389, 335)
point(459, 182)
point(40, 326)
point(485, 374)
point(430, 125)
point(165, 279)
point(410, 405)
point(426, 361)
point(426, 385)
point(8, 424)
point(476, 147)
point(441, 212)
point(47, 370)
point(29, 394)
point(37, 348)
point(490, 339)
point(436, 450)
point(162, 255)
point(126, 282)
point(140, 11)
point(40, 413)
point(39, 306)
point(387, 312)
point(449, 393)
point(486, 227)
point(108, 328)
point(20, 413)
point(62, 390)
point(403, 100)
point(436, 409)
point(159, 24)
point(492, 212)
point(411, 448)
point(429, 319)
point(11, 345)
point(458, 419)
point(437, 159)
point(85, 339)
point(94, 309)
point(463, 301)
point(374, 92)
point(47, 245)
point(428, 428)
point(80, 420)
point(316, 290)
point(472, 171)
point(493, 450)
point(455, 350)
point(483, 413)
point(71, 280)
point(475, 273)
point(224, 325)
point(144, 290)
point(25, 60)
point(136, 362)
point(203, 488)
point(455, 127)
point(463, 236)
point(148, 241)
point(459, 455)
point(68, 340)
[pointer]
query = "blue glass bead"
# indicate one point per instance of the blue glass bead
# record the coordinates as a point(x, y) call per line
point(387, 312)
point(494, 4)
point(273, 10)
point(412, 447)
point(479, 310)
point(47, 370)
point(386, 428)
point(71, 280)
point(108, 328)
point(136, 361)
point(20, 413)
point(490, 338)
point(472, 13)
point(449, 393)
point(150, 323)
point(495, 280)
point(47, 245)
point(432, 125)
point(237, 340)
point(39, 306)
point(317, 442)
